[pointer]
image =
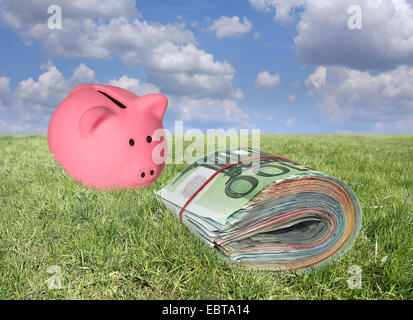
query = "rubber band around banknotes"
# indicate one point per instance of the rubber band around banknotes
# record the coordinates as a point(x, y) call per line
point(220, 170)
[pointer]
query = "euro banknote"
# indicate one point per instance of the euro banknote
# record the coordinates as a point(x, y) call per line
point(264, 211)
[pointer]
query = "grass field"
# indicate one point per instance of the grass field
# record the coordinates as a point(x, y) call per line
point(127, 245)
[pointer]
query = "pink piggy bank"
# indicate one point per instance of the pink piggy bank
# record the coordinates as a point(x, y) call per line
point(108, 137)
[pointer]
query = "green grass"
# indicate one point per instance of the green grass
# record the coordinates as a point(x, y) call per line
point(127, 245)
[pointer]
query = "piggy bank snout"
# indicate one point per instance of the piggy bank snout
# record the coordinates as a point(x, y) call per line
point(149, 172)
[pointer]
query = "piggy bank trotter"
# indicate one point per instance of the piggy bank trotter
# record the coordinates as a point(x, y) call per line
point(107, 137)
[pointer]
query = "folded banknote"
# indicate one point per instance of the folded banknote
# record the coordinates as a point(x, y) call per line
point(265, 211)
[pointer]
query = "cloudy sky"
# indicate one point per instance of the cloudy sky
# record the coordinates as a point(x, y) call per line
point(282, 66)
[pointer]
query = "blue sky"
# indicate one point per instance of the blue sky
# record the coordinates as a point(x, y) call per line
point(276, 65)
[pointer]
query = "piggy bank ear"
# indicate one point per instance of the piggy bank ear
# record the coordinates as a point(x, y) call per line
point(93, 118)
point(154, 104)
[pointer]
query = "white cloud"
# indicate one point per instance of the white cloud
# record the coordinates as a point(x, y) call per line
point(80, 23)
point(318, 78)
point(264, 115)
point(258, 115)
point(191, 78)
point(26, 14)
point(168, 52)
point(290, 122)
point(4, 85)
point(209, 110)
point(49, 87)
point(271, 116)
point(131, 39)
point(3, 125)
point(266, 81)
point(172, 58)
point(292, 97)
point(135, 41)
point(296, 84)
point(28, 107)
point(188, 108)
point(187, 70)
point(284, 9)
point(384, 42)
point(227, 27)
point(4, 91)
point(134, 85)
point(350, 96)
point(82, 74)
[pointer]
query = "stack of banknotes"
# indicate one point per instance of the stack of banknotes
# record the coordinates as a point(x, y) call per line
point(265, 212)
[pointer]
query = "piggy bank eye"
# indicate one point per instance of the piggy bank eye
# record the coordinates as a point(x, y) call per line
point(131, 142)
point(149, 139)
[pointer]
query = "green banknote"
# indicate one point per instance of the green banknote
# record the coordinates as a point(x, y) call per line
point(232, 188)
point(265, 211)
